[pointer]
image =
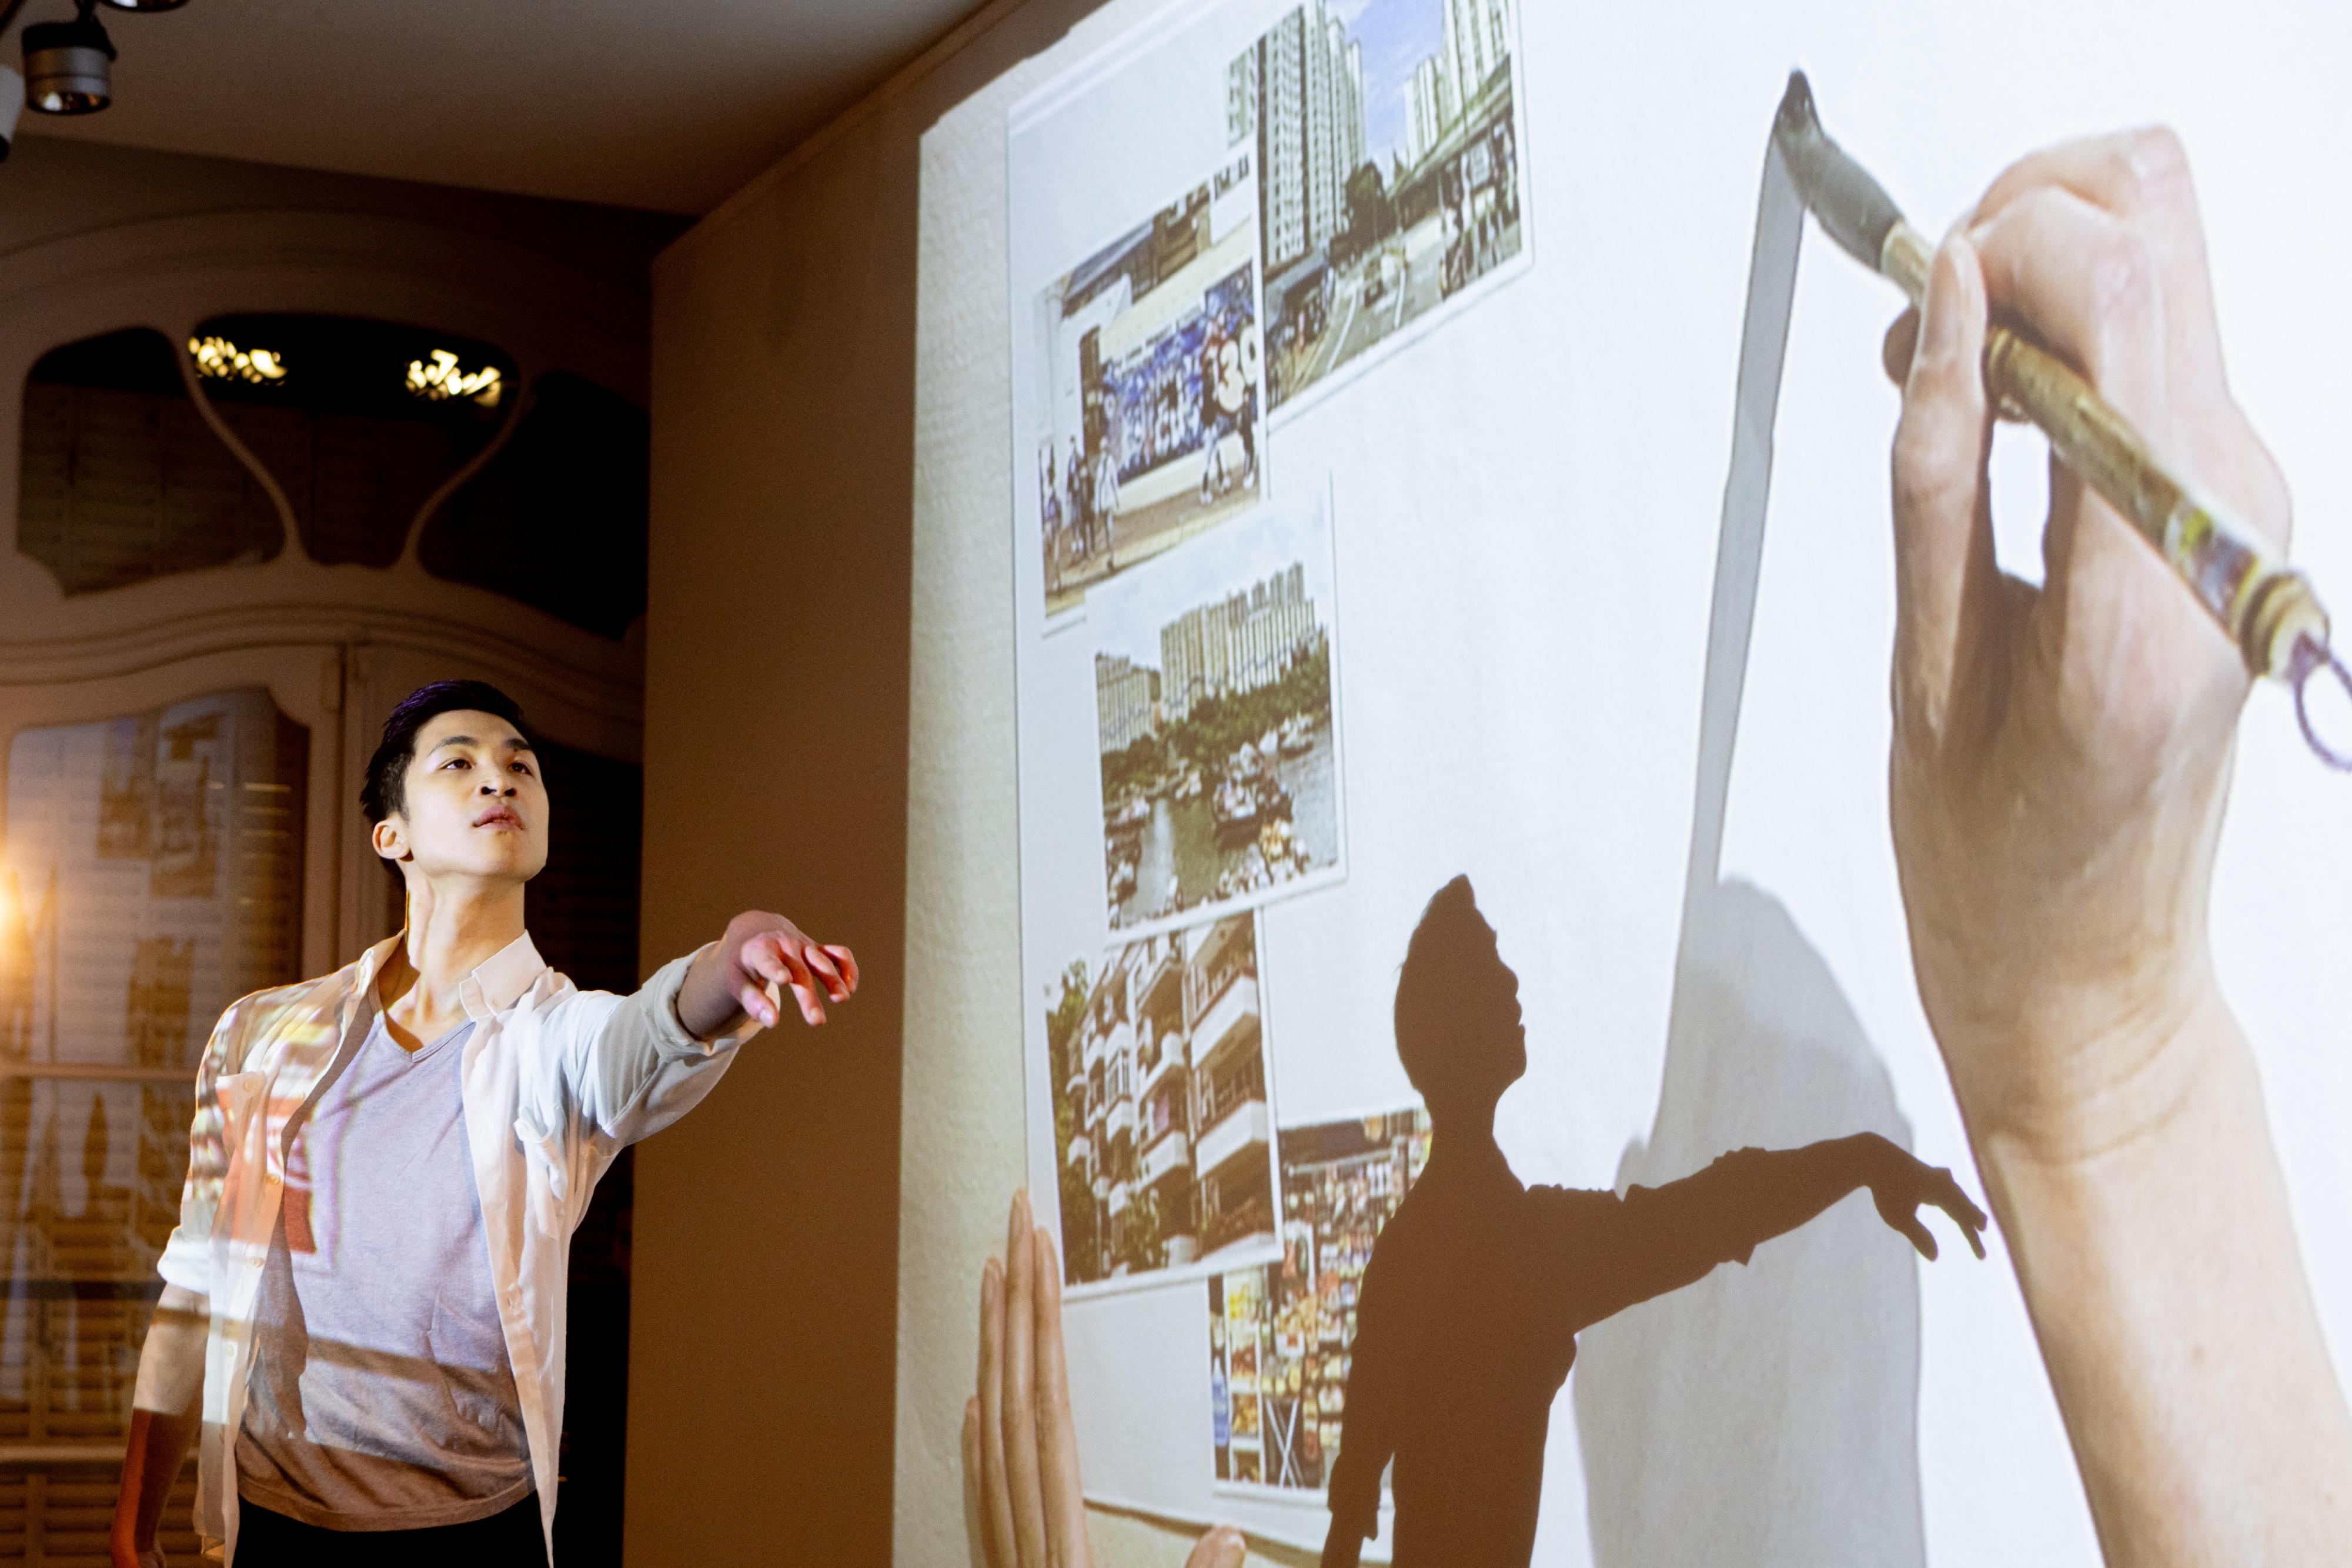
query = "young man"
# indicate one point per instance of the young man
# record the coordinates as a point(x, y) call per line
point(365, 1304)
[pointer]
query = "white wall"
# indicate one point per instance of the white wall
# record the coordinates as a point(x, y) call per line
point(1580, 433)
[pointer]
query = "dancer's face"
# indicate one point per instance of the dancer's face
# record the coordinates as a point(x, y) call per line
point(473, 804)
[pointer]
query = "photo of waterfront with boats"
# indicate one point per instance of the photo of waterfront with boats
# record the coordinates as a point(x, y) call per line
point(1220, 830)
point(1216, 726)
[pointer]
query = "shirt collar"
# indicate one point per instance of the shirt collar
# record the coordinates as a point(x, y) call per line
point(497, 983)
point(500, 981)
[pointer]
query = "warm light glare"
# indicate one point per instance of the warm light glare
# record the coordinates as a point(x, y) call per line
point(15, 929)
point(224, 360)
point(443, 379)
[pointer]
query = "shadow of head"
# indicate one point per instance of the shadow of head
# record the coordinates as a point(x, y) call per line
point(1458, 1027)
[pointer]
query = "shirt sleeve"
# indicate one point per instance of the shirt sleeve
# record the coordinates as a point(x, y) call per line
point(187, 1259)
point(640, 1069)
point(1613, 1253)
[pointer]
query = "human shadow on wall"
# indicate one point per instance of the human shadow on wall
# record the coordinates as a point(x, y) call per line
point(1469, 1310)
point(1766, 1415)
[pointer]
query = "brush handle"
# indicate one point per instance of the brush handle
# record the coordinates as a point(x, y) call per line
point(2263, 604)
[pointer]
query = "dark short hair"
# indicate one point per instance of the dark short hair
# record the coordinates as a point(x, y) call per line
point(1427, 986)
point(383, 793)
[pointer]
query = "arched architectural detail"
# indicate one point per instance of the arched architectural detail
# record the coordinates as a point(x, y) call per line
point(337, 642)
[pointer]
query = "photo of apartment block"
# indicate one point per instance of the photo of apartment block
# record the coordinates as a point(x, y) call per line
point(1162, 1120)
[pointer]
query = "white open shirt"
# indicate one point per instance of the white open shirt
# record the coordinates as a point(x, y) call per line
point(555, 1081)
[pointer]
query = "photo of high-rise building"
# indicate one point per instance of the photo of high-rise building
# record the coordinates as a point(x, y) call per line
point(1387, 148)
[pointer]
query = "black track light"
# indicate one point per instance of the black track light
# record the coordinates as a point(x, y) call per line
point(68, 67)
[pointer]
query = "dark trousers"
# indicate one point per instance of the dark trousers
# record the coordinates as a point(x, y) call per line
point(512, 1538)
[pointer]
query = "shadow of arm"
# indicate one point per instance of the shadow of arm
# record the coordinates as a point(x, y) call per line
point(1657, 1240)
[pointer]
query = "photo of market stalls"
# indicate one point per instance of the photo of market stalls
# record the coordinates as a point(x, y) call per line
point(1280, 1335)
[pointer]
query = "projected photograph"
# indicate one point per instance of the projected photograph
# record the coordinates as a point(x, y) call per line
point(1214, 675)
point(1390, 191)
point(1162, 1116)
point(1280, 1334)
point(1217, 724)
point(1154, 361)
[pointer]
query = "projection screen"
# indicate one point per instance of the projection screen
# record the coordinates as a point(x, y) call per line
point(1325, 415)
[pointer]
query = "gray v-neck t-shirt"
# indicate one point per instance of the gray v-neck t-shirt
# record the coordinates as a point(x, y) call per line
point(381, 1395)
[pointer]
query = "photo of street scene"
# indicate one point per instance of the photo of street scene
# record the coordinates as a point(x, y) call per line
point(1215, 722)
point(1387, 146)
point(1280, 1335)
point(1162, 1123)
point(1154, 362)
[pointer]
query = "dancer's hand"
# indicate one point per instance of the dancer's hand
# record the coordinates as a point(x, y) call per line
point(1020, 1447)
point(759, 955)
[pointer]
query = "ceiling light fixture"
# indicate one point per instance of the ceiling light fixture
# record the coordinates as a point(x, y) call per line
point(69, 66)
point(443, 379)
point(221, 359)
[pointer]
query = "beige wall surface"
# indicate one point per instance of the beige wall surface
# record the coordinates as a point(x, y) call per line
point(809, 1243)
point(769, 1239)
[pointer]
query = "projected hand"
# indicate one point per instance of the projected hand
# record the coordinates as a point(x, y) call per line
point(1019, 1445)
point(2060, 766)
point(731, 980)
point(2061, 754)
point(1903, 1184)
